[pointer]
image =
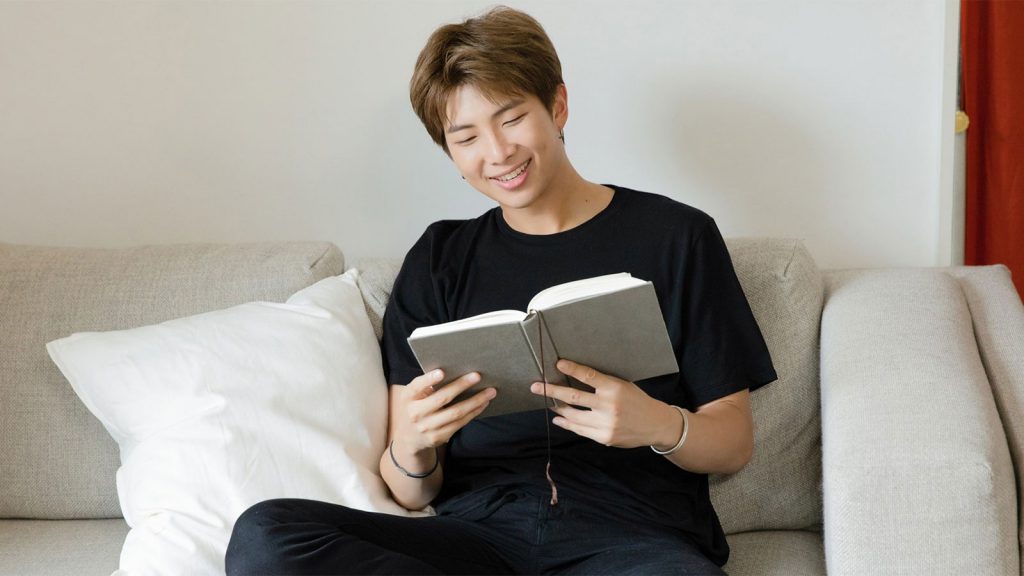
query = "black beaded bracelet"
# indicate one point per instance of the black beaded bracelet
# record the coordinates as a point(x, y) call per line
point(437, 460)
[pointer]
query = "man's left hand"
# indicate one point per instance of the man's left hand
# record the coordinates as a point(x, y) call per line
point(620, 415)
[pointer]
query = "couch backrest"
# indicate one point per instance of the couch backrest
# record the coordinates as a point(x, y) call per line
point(56, 460)
point(781, 487)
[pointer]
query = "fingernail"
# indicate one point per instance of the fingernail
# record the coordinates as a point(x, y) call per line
point(474, 377)
point(535, 387)
point(436, 374)
point(491, 392)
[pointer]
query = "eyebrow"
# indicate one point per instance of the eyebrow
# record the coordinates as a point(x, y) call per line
point(505, 108)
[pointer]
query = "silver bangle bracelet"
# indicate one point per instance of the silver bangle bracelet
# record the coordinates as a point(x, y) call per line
point(682, 437)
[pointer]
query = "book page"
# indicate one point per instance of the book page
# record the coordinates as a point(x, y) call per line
point(488, 319)
point(580, 289)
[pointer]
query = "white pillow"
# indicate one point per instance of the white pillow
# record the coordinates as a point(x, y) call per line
point(221, 410)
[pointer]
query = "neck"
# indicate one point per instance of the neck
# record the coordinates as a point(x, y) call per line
point(569, 202)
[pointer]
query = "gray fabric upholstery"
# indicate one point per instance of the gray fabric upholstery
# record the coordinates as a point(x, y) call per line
point(780, 487)
point(376, 276)
point(915, 457)
point(917, 367)
point(94, 546)
point(998, 317)
point(52, 547)
point(56, 460)
point(776, 553)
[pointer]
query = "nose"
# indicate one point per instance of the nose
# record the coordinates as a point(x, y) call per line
point(499, 149)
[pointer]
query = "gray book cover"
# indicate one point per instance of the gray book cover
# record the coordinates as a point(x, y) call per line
point(619, 333)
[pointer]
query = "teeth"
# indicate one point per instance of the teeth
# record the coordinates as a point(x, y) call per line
point(513, 175)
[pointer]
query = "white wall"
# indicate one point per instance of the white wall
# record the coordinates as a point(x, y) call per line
point(124, 123)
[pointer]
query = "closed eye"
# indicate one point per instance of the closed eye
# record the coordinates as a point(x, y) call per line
point(466, 141)
point(515, 120)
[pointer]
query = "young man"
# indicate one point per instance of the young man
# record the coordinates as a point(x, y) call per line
point(631, 466)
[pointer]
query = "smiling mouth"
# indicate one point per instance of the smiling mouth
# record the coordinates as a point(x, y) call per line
point(514, 173)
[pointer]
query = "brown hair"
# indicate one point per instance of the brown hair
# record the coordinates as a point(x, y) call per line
point(503, 52)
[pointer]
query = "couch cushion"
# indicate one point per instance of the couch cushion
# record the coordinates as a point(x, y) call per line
point(94, 546)
point(777, 552)
point(51, 547)
point(375, 280)
point(781, 487)
point(47, 293)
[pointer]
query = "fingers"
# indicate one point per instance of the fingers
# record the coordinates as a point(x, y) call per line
point(423, 385)
point(449, 420)
point(566, 394)
point(579, 424)
point(584, 374)
point(585, 418)
point(563, 422)
point(429, 386)
point(431, 411)
point(443, 395)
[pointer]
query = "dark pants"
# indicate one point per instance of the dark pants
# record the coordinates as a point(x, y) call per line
point(506, 531)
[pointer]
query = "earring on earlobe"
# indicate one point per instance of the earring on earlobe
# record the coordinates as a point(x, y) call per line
point(561, 135)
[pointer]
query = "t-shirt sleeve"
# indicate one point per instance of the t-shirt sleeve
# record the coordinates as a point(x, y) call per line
point(723, 348)
point(413, 303)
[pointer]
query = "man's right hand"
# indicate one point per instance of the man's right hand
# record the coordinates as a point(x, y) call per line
point(422, 416)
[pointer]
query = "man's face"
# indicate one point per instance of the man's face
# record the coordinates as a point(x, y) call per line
point(509, 150)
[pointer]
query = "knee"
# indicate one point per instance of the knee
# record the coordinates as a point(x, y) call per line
point(250, 550)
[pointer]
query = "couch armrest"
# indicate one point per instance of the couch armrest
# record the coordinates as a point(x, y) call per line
point(916, 472)
point(998, 317)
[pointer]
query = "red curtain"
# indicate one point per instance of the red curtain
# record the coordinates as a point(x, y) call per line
point(992, 64)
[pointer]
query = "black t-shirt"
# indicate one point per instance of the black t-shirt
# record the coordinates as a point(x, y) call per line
point(460, 268)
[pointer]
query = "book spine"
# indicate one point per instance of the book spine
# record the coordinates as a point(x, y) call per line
point(536, 332)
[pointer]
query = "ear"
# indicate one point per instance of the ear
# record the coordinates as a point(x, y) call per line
point(560, 109)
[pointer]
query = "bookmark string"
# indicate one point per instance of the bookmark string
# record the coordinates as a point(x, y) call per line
point(547, 420)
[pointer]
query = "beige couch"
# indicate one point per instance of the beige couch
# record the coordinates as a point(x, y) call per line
point(891, 443)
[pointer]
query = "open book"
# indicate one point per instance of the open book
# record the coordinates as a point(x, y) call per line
point(612, 323)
